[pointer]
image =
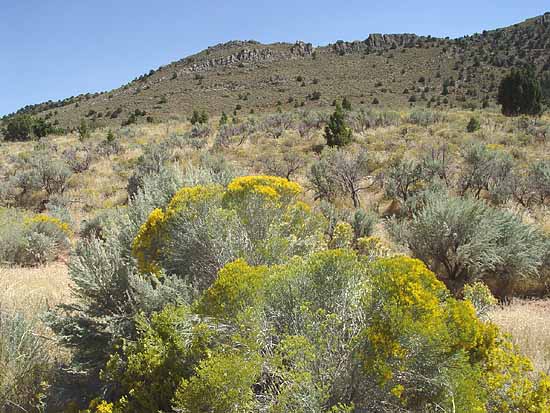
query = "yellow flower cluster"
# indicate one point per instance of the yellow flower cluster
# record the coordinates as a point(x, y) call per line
point(147, 244)
point(273, 188)
point(342, 236)
point(48, 220)
point(373, 247)
point(188, 196)
point(145, 247)
point(148, 241)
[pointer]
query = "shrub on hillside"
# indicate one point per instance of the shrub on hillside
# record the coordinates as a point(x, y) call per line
point(325, 333)
point(27, 239)
point(520, 93)
point(25, 127)
point(337, 132)
point(339, 171)
point(486, 168)
point(38, 176)
point(425, 117)
point(473, 125)
point(464, 240)
point(154, 159)
point(204, 227)
point(404, 179)
point(26, 364)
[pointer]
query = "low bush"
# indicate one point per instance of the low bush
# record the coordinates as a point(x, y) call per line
point(464, 240)
point(26, 364)
point(27, 239)
point(204, 227)
point(325, 333)
point(424, 117)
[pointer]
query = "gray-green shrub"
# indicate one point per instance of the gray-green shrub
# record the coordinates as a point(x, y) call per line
point(463, 240)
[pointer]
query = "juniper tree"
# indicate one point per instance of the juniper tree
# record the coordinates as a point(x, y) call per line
point(520, 93)
point(337, 132)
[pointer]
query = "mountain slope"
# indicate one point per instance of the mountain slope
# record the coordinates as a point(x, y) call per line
point(397, 70)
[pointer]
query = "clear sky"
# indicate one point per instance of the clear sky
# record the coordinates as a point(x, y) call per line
point(52, 49)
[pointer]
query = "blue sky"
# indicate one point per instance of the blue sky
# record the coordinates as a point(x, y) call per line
point(52, 49)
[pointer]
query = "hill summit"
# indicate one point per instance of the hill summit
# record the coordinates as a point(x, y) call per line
point(383, 69)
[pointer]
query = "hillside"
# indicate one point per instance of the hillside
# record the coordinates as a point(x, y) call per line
point(387, 70)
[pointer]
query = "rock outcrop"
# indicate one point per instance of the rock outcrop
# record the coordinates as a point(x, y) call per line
point(544, 19)
point(301, 49)
point(252, 52)
point(377, 41)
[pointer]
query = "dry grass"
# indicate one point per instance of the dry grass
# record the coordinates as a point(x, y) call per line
point(34, 290)
point(528, 323)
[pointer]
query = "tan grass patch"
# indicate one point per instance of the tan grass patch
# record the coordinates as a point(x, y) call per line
point(34, 290)
point(528, 323)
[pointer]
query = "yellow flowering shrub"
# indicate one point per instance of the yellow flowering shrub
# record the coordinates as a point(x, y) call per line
point(416, 326)
point(238, 286)
point(342, 236)
point(373, 247)
point(336, 332)
point(257, 214)
point(272, 188)
point(512, 384)
point(147, 243)
point(189, 197)
point(46, 220)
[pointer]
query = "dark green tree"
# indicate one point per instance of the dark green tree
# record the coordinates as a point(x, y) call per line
point(520, 93)
point(41, 128)
point(199, 117)
point(19, 128)
point(337, 133)
point(473, 125)
point(545, 87)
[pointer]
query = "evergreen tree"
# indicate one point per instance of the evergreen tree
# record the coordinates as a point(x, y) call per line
point(19, 128)
point(545, 88)
point(337, 133)
point(520, 93)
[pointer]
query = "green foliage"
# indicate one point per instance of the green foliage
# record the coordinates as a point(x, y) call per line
point(222, 384)
point(18, 128)
point(488, 169)
point(339, 171)
point(346, 104)
point(363, 223)
point(83, 130)
point(199, 117)
point(520, 93)
point(473, 125)
point(38, 176)
point(404, 179)
point(463, 240)
point(337, 133)
point(223, 119)
point(425, 117)
point(25, 127)
point(26, 363)
point(326, 333)
point(27, 239)
point(153, 161)
point(150, 370)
